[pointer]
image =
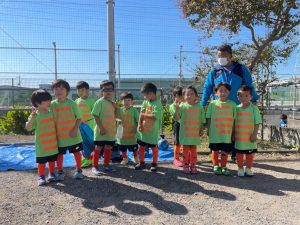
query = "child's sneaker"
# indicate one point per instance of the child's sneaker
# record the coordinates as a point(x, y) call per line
point(107, 168)
point(86, 162)
point(78, 175)
point(51, 177)
point(225, 171)
point(140, 166)
point(186, 169)
point(95, 171)
point(249, 172)
point(241, 172)
point(136, 160)
point(124, 161)
point(60, 176)
point(153, 167)
point(41, 181)
point(217, 170)
point(177, 163)
point(193, 169)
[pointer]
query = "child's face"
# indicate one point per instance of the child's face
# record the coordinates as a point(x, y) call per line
point(127, 102)
point(190, 96)
point(108, 92)
point(244, 97)
point(83, 93)
point(60, 93)
point(44, 105)
point(178, 98)
point(149, 96)
point(222, 93)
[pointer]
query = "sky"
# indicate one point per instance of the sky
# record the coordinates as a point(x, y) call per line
point(149, 33)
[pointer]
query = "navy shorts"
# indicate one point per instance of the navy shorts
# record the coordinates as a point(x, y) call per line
point(249, 151)
point(141, 143)
point(176, 128)
point(224, 147)
point(102, 143)
point(72, 149)
point(51, 158)
point(131, 148)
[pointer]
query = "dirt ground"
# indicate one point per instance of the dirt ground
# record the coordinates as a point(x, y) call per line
point(126, 196)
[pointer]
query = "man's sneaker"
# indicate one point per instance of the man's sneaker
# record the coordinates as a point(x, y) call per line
point(140, 166)
point(136, 160)
point(96, 171)
point(217, 170)
point(177, 163)
point(107, 168)
point(60, 176)
point(193, 169)
point(233, 159)
point(249, 172)
point(186, 169)
point(51, 177)
point(153, 167)
point(225, 171)
point(86, 162)
point(41, 181)
point(78, 175)
point(241, 172)
point(124, 161)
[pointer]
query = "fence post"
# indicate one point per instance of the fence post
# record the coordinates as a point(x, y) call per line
point(12, 92)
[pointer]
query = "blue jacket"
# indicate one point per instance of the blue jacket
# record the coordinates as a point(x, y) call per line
point(238, 76)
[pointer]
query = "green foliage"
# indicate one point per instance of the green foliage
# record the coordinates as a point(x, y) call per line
point(167, 120)
point(14, 122)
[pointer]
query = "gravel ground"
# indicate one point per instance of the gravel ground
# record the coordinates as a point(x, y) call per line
point(127, 196)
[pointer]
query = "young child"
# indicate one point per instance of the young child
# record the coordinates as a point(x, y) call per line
point(129, 116)
point(220, 122)
point(283, 120)
point(178, 99)
point(192, 118)
point(149, 125)
point(246, 127)
point(67, 120)
point(85, 104)
point(41, 121)
point(104, 112)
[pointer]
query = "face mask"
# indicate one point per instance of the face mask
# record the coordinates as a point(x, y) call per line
point(222, 61)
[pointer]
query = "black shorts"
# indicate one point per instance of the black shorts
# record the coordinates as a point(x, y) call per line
point(224, 147)
point(102, 143)
point(131, 148)
point(51, 158)
point(176, 127)
point(141, 143)
point(72, 149)
point(249, 151)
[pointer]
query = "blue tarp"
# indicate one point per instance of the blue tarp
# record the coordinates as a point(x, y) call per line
point(17, 157)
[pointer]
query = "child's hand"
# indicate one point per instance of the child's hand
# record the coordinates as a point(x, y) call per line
point(115, 105)
point(253, 137)
point(73, 132)
point(200, 132)
point(177, 106)
point(103, 131)
point(119, 121)
point(140, 127)
point(33, 112)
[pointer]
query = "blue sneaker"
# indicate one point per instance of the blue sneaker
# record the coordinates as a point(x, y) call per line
point(60, 176)
point(51, 177)
point(41, 181)
point(78, 175)
point(107, 168)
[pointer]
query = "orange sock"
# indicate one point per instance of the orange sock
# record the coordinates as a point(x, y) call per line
point(77, 157)
point(193, 155)
point(60, 161)
point(224, 158)
point(96, 156)
point(215, 158)
point(177, 151)
point(142, 153)
point(51, 166)
point(240, 160)
point(107, 155)
point(155, 154)
point(249, 160)
point(185, 154)
point(41, 169)
point(124, 155)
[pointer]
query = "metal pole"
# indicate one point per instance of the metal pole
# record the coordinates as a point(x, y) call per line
point(111, 40)
point(180, 66)
point(119, 73)
point(12, 92)
point(55, 61)
point(294, 98)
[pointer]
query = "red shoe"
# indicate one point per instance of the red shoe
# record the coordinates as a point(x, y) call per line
point(177, 163)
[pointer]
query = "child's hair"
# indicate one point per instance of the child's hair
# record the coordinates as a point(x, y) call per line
point(40, 96)
point(225, 48)
point(60, 83)
point(245, 88)
point(125, 95)
point(148, 87)
point(223, 84)
point(191, 87)
point(283, 117)
point(106, 83)
point(82, 84)
point(178, 90)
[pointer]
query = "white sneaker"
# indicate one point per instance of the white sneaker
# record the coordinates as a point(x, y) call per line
point(241, 172)
point(136, 160)
point(96, 171)
point(249, 172)
point(124, 161)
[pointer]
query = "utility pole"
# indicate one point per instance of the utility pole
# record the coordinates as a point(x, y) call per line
point(119, 73)
point(111, 40)
point(180, 66)
point(55, 61)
